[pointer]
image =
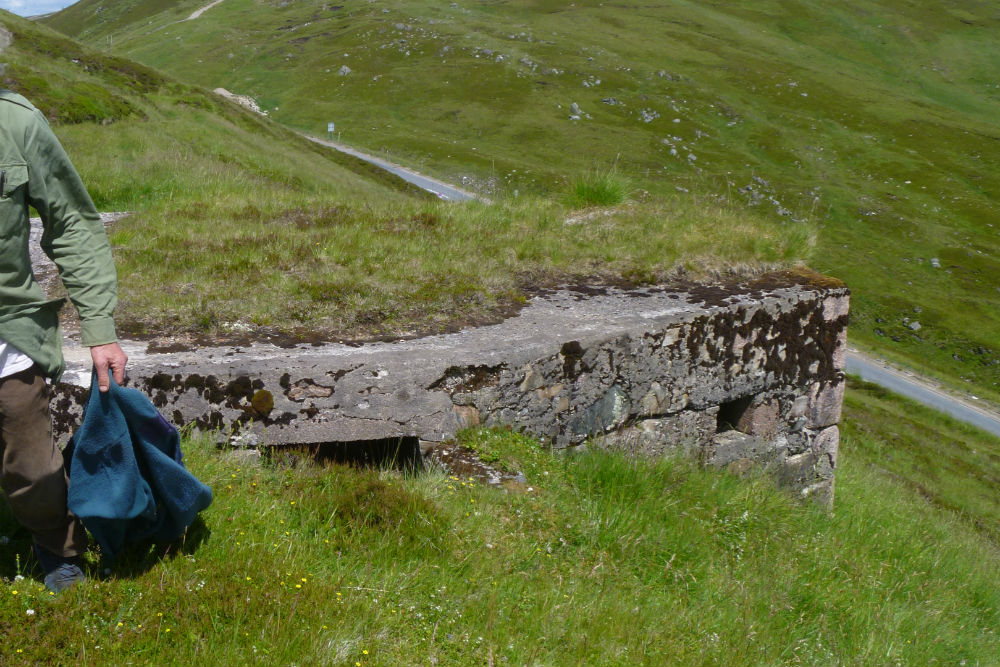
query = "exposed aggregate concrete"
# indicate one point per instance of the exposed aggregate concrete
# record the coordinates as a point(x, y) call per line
point(736, 375)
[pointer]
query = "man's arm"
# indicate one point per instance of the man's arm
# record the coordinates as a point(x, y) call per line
point(74, 238)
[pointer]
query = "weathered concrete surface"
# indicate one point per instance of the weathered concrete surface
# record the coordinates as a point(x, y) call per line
point(735, 374)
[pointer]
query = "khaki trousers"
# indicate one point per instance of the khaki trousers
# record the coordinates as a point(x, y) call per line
point(32, 476)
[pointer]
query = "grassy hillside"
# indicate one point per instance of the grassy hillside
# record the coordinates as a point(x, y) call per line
point(876, 120)
point(598, 559)
point(243, 228)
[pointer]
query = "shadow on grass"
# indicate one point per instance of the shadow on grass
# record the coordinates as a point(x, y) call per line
point(139, 557)
point(17, 557)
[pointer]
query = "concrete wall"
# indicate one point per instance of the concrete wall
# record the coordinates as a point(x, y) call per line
point(739, 375)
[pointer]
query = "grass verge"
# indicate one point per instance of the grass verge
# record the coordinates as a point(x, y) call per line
point(340, 268)
point(598, 559)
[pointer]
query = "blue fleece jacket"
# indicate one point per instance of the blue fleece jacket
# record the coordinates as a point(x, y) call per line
point(127, 479)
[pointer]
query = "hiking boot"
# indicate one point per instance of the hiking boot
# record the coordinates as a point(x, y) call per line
point(61, 572)
point(63, 577)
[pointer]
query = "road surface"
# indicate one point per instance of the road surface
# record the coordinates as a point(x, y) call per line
point(432, 185)
point(912, 386)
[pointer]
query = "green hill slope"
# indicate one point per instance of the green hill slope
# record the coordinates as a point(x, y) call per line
point(245, 229)
point(196, 169)
point(875, 119)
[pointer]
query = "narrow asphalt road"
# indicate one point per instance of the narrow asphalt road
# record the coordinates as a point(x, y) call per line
point(913, 386)
point(432, 185)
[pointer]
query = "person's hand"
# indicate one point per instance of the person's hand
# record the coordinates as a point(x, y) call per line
point(108, 356)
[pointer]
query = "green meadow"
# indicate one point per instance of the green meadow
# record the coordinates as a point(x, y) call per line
point(874, 122)
point(596, 559)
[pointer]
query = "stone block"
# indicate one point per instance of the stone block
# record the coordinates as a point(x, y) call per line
point(607, 413)
point(826, 401)
point(835, 307)
point(760, 419)
point(724, 448)
point(797, 471)
point(825, 445)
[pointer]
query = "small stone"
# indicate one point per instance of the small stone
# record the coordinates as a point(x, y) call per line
point(915, 326)
point(935, 262)
point(651, 402)
point(608, 412)
point(304, 389)
point(741, 467)
point(799, 406)
point(344, 70)
point(545, 393)
point(532, 380)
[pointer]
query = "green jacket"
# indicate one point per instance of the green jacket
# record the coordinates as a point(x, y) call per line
point(35, 170)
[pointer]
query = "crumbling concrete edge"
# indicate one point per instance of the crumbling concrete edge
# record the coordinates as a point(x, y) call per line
point(736, 376)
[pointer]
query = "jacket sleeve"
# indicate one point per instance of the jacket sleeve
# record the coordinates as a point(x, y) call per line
point(73, 234)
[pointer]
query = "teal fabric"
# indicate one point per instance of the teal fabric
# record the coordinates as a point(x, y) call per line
point(127, 479)
point(35, 171)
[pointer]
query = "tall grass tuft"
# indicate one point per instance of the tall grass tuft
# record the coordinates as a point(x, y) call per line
point(607, 188)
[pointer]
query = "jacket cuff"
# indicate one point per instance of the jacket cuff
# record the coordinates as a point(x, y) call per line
point(98, 331)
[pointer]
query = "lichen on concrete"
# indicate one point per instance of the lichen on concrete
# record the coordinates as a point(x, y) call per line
point(737, 375)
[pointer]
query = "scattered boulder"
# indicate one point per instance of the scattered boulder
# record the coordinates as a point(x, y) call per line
point(576, 113)
point(649, 115)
